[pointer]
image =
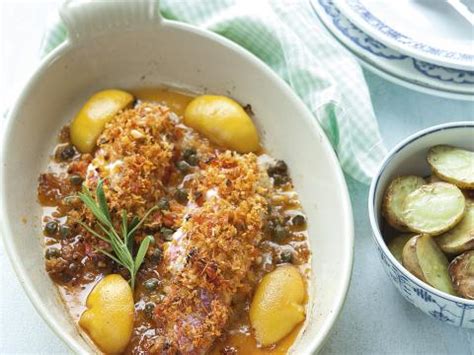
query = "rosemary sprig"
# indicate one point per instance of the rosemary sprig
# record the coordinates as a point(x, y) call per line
point(122, 245)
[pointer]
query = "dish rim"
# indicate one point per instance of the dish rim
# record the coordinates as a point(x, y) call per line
point(372, 25)
point(375, 190)
point(5, 229)
point(392, 70)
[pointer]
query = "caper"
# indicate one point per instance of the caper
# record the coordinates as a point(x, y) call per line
point(183, 167)
point(181, 195)
point(51, 227)
point(298, 220)
point(193, 160)
point(163, 204)
point(280, 168)
point(75, 179)
point(190, 156)
point(52, 253)
point(151, 284)
point(279, 173)
point(286, 256)
point(157, 255)
point(167, 233)
point(149, 308)
point(188, 152)
point(279, 180)
point(279, 232)
point(64, 231)
point(67, 153)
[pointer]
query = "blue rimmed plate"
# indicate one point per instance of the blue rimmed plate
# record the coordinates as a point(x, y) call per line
point(391, 64)
point(429, 30)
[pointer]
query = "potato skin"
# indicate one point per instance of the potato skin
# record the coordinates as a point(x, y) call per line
point(394, 195)
point(410, 260)
point(433, 264)
point(461, 271)
point(396, 245)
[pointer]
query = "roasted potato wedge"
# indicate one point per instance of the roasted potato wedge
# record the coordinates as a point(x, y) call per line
point(461, 237)
point(410, 259)
point(433, 264)
point(433, 208)
point(453, 164)
point(461, 271)
point(395, 245)
point(395, 195)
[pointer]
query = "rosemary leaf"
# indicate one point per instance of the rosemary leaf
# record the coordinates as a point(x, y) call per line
point(122, 245)
point(125, 225)
point(138, 225)
point(99, 192)
point(142, 251)
point(89, 201)
point(134, 222)
point(93, 232)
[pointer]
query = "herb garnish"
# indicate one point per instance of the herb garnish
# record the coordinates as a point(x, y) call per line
point(122, 245)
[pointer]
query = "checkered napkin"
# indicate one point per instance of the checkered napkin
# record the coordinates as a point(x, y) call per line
point(285, 34)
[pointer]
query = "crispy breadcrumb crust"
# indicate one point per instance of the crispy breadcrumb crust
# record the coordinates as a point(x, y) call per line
point(221, 240)
point(217, 224)
point(220, 232)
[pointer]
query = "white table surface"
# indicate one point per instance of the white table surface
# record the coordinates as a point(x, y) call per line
point(375, 319)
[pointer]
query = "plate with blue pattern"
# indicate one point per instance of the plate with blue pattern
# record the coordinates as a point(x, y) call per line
point(429, 30)
point(393, 65)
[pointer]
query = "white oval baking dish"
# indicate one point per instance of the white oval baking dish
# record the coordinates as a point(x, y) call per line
point(127, 45)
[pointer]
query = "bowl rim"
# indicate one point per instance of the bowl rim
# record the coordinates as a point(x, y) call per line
point(316, 343)
point(374, 190)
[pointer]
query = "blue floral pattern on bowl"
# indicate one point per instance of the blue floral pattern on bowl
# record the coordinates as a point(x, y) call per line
point(356, 35)
point(375, 22)
point(440, 308)
point(444, 74)
point(377, 48)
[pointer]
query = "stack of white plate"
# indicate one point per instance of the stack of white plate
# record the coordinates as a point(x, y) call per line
point(422, 44)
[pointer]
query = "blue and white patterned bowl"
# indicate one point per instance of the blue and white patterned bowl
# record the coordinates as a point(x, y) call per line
point(409, 157)
point(391, 64)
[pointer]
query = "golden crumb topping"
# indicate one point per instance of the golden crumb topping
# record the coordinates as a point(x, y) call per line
point(215, 248)
point(222, 221)
point(216, 222)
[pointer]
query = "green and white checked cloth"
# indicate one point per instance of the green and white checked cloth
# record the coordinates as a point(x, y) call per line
point(285, 35)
